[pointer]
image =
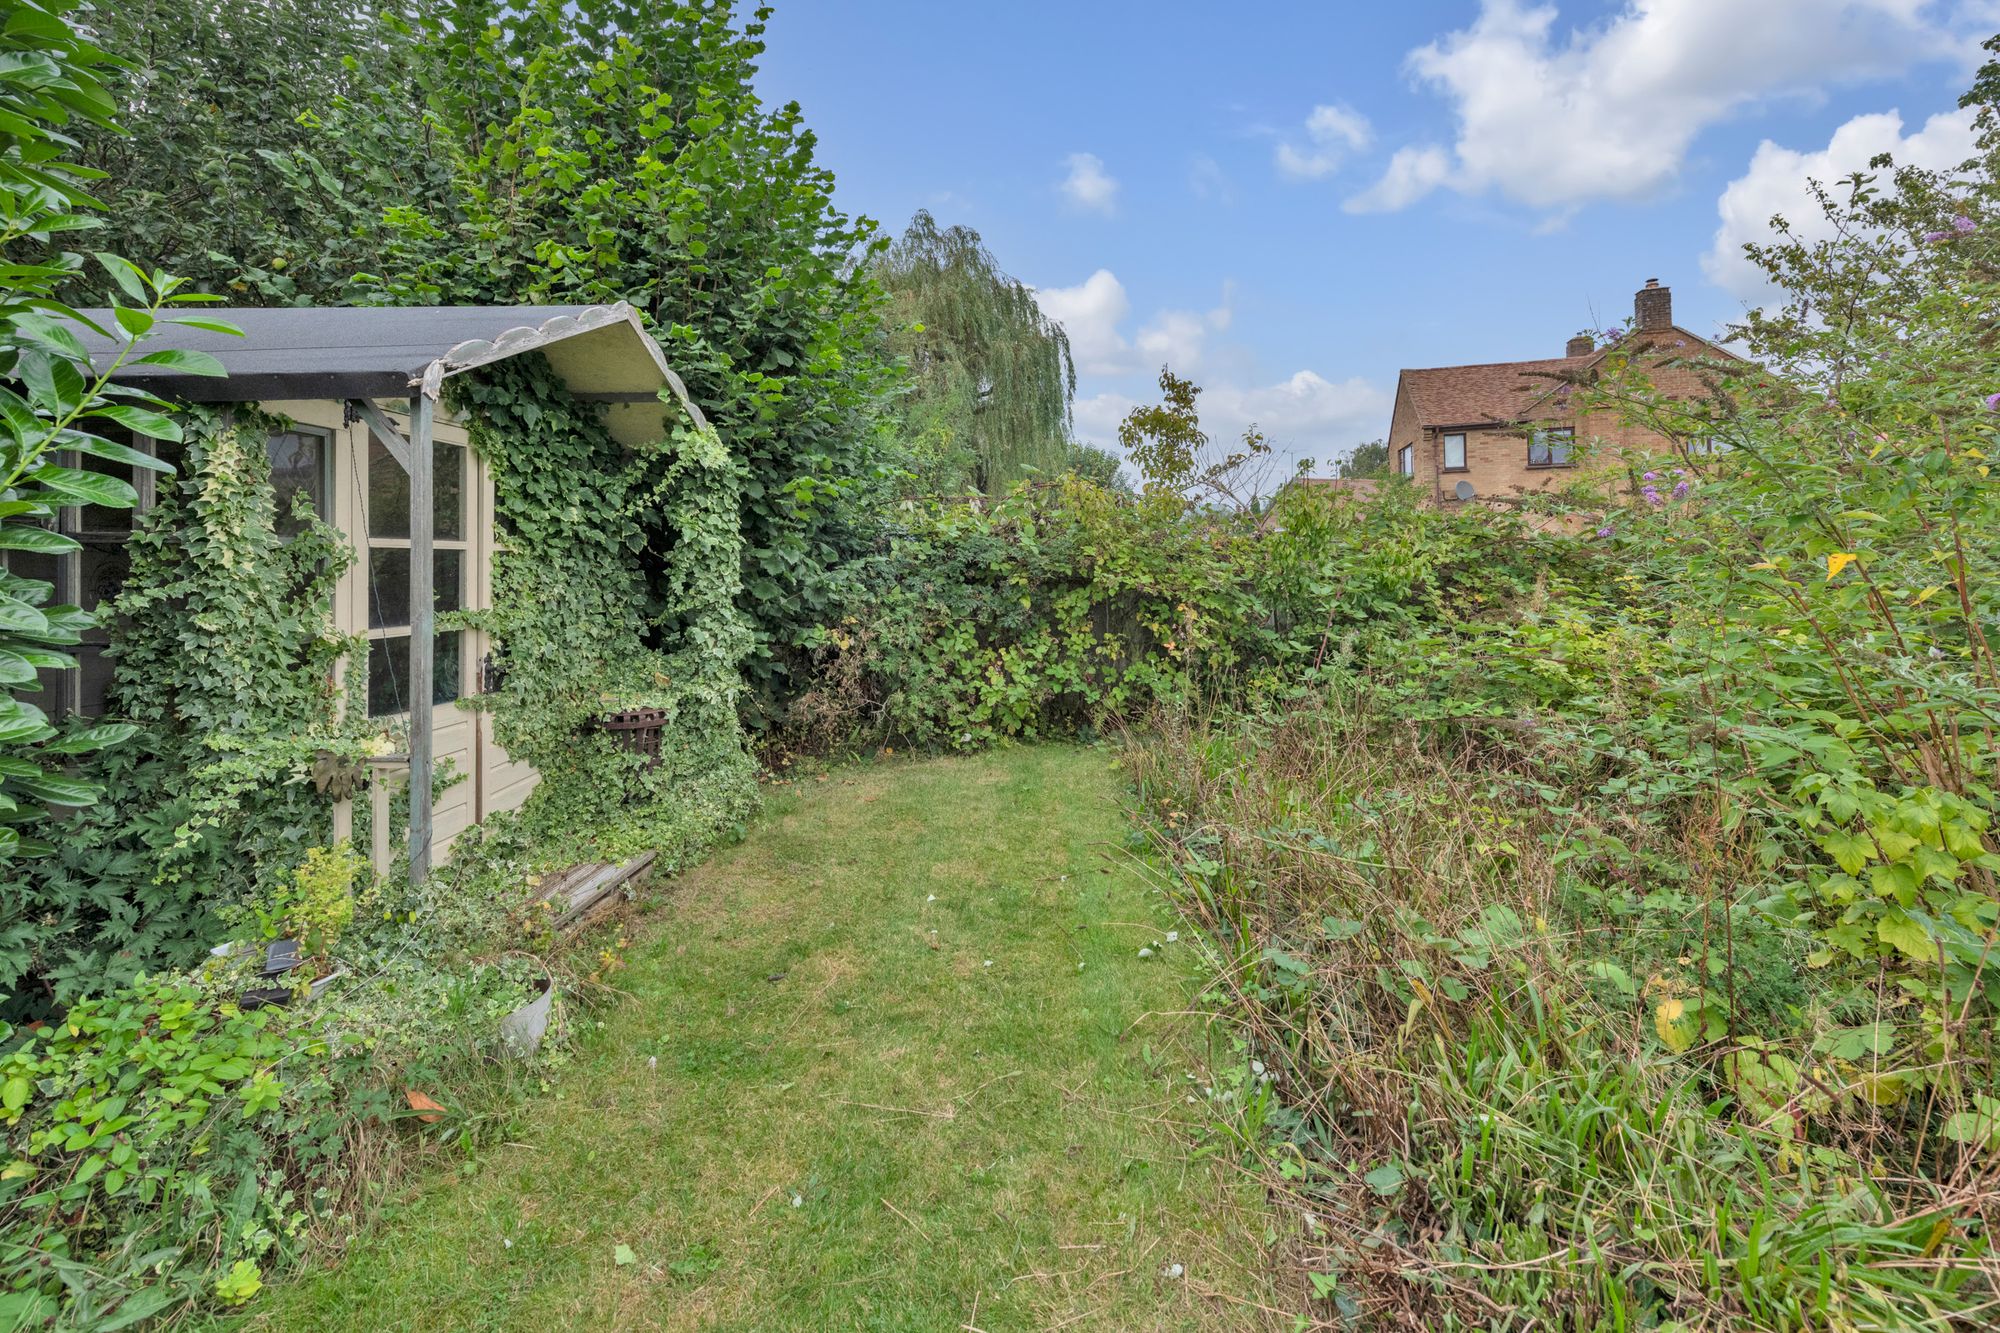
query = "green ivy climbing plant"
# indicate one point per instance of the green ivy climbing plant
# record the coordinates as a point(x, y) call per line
point(581, 629)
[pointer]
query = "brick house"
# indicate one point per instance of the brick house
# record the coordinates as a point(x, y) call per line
point(1509, 429)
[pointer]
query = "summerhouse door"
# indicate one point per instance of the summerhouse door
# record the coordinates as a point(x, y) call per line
point(486, 779)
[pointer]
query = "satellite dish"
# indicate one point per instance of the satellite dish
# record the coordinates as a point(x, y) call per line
point(1464, 490)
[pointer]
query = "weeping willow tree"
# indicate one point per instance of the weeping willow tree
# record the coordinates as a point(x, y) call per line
point(991, 376)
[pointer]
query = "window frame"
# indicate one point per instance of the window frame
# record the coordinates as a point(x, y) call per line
point(463, 543)
point(1406, 460)
point(1544, 438)
point(1444, 452)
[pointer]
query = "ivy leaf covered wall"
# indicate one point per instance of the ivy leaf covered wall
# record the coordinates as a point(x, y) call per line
point(225, 652)
point(615, 588)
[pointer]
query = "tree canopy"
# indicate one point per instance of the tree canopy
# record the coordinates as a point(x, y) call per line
point(991, 376)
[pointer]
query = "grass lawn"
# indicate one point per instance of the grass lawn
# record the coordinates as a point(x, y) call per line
point(893, 1063)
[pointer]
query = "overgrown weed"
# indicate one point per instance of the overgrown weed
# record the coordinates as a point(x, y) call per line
point(1455, 1073)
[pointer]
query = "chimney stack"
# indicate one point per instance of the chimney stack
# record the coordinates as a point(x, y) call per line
point(1653, 306)
point(1581, 345)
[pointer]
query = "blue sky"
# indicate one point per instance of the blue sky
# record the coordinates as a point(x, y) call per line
point(1290, 201)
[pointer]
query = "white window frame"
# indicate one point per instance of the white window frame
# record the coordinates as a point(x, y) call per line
point(1406, 460)
point(1460, 465)
point(439, 544)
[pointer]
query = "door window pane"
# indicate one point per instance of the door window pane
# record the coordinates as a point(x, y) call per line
point(448, 491)
point(389, 492)
point(298, 467)
point(389, 584)
point(389, 673)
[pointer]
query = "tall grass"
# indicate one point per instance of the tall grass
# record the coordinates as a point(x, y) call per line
point(1454, 1064)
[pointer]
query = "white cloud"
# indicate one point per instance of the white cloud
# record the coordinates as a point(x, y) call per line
point(1179, 338)
point(1087, 187)
point(1778, 183)
point(1553, 120)
point(1333, 132)
point(1097, 417)
point(1412, 174)
point(1091, 313)
point(1304, 416)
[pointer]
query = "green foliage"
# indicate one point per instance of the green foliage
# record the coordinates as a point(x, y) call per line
point(1366, 460)
point(987, 401)
point(581, 631)
point(225, 665)
point(254, 176)
point(137, 1136)
point(54, 405)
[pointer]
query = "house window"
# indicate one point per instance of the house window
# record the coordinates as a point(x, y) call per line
point(1406, 460)
point(1551, 448)
point(389, 575)
point(92, 577)
point(1454, 453)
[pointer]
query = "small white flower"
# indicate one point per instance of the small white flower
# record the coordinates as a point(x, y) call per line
point(1173, 1270)
point(508, 1243)
point(931, 899)
point(798, 1201)
point(652, 1062)
point(1257, 1068)
point(987, 963)
point(1173, 936)
point(1145, 953)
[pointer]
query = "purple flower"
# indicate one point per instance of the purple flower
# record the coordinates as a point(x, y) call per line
point(1604, 531)
point(1650, 476)
point(1655, 499)
point(1993, 402)
point(1680, 342)
point(1964, 225)
point(1681, 490)
point(1680, 472)
point(1935, 236)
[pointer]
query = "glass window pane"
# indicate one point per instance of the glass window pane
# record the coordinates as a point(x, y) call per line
point(389, 673)
point(389, 584)
point(448, 491)
point(1454, 451)
point(298, 467)
point(389, 492)
point(101, 572)
point(94, 670)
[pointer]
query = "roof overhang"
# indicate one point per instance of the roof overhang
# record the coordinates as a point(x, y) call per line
point(603, 354)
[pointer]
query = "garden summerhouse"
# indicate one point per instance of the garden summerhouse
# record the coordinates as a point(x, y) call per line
point(367, 439)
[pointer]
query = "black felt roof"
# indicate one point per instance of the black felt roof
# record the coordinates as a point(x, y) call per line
point(316, 352)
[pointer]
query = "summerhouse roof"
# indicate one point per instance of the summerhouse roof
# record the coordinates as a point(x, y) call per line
point(603, 353)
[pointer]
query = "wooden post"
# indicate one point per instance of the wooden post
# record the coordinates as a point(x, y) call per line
point(423, 635)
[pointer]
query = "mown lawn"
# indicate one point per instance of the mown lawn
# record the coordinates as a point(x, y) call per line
point(892, 1064)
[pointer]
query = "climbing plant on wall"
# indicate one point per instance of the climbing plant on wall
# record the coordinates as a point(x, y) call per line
point(225, 665)
point(581, 630)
